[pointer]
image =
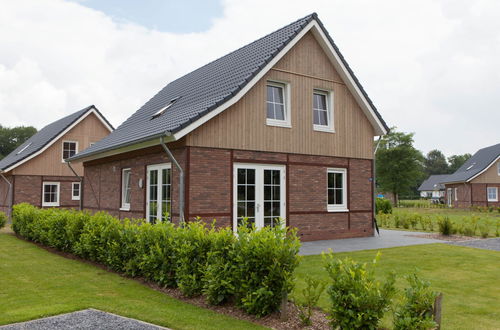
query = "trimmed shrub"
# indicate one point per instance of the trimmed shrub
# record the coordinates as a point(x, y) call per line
point(3, 220)
point(416, 310)
point(358, 300)
point(383, 206)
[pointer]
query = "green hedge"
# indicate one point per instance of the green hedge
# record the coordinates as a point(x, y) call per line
point(3, 220)
point(254, 269)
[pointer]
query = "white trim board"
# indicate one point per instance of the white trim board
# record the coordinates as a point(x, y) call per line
point(485, 169)
point(60, 135)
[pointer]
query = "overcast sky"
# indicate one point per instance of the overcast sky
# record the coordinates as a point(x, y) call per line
point(431, 67)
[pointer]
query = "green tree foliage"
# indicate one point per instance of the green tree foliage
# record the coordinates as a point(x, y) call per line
point(435, 163)
point(456, 161)
point(11, 138)
point(399, 164)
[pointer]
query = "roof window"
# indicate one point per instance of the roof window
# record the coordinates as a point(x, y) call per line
point(162, 110)
point(468, 168)
point(24, 148)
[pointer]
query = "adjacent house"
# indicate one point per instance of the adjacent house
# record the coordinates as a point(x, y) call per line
point(477, 181)
point(36, 172)
point(280, 128)
point(433, 187)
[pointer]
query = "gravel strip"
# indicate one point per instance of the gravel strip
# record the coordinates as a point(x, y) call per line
point(85, 319)
point(486, 244)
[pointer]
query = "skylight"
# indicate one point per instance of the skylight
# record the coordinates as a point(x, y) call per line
point(468, 168)
point(24, 148)
point(162, 110)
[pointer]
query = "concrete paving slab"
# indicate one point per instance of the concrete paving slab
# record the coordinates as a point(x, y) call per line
point(387, 239)
point(486, 244)
point(85, 319)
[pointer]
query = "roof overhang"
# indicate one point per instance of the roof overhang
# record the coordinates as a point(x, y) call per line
point(92, 110)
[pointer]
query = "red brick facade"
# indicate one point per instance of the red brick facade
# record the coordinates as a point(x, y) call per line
point(470, 194)
point(209, 188)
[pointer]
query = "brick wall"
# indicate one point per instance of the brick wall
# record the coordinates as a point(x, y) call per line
point(464, 191)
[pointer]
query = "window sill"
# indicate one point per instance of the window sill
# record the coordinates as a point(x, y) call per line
point(338, 210)
point(126, 209)
point(493, 200)
point(75, 198)
point(323, 129)
point(50, 205)
point(278, 123)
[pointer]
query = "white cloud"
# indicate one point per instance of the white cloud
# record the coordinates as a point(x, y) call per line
point(430, 66)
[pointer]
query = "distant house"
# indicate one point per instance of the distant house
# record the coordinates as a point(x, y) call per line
point(477, 182)
point(36, 172)
point(433, 186)
point(280, 128)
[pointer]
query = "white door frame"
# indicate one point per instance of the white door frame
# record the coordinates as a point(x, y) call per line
point(159, 168)
point(259, 191)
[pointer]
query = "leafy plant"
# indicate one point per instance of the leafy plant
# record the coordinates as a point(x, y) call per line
point(445, 226)
point(416, 311)
point(383, 206)
point(3, 220)
point(310, 296)
point(358, 300)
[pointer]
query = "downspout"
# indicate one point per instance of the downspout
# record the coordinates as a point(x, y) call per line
point(80, 204)
point(375, 185)
point(181, 179)
point(9, 196)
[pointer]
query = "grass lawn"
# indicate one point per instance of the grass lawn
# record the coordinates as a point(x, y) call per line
point(35, 283)
point(469, 279)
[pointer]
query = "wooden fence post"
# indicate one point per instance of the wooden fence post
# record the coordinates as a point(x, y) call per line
point(437, 309)
point(284, 307)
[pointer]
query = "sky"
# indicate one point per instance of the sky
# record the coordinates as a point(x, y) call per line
point(430, 66)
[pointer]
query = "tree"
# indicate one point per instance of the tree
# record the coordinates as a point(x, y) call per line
point(435, 163)
point(11, 138)
point(456, 161)
point(399, 164)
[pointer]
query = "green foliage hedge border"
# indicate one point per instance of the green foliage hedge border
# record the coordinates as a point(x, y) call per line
point(253, 269)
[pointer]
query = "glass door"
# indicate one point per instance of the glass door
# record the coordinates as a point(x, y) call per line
point(158, 192)
point(259, 194)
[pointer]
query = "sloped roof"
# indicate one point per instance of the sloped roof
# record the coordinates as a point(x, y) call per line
point(475, 165)
point(202, 91)
point(433, 182)
point(45, 136)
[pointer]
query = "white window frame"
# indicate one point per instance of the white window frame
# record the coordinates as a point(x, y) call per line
point(338, 207)
point(286, 98)
point(159, 168)
point(62, 148)
point(330, 111)
point(125, 206)
point(495, 189)
point(58, 195)
point(73, 197)
point(455, 192)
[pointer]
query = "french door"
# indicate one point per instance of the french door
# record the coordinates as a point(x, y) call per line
point(258, 194)
point(158, 192)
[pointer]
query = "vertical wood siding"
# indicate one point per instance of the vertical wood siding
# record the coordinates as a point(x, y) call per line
point(490, 175)
point(306, 67)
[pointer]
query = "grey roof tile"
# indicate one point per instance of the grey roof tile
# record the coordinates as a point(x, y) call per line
point(477, 163)
point(204, 89)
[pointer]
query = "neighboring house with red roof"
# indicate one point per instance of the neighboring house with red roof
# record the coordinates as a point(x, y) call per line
point(280, 128)
point(36, 172)
point(477, 181)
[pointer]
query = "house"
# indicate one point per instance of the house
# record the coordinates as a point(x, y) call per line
point(477, 181)
point(36, 172)
point(280, 128)
point(432, 187)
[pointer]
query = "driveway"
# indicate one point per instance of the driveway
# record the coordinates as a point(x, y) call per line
point(486, 244)
point(387, 239)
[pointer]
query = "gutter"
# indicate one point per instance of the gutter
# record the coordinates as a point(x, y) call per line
point(181, 178)
point(80, 179)
point(375, 184)
point(10, 197)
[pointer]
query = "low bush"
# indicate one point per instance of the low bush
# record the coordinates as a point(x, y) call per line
point(445, 226)
point(3, 220)
point(383, 206)
point(310, 296)
point(253, 269)
point(358, 300)
point(416, 310)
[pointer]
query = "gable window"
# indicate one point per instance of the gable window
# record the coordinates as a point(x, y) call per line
point(498, 168)
point(70, 148)
point(277, 104)
point(492, 194)
point(337, 189)
point(50, 194)
point(75, 191)
point(322, 111)
point(126, 189)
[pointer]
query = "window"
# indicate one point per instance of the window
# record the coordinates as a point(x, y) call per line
point(455, 192)
point(163, 109)
point(50, 194)
point(337, 190)
point(158, 193)
point(277, 104)
point(322, 111)
point(70, 148)
point(492, 194)
point(26, 147)
point(126, 187)
point(75, 191)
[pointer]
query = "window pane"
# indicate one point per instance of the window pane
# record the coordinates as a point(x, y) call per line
point(280, 111)
point(331, 197)
point(316, 117)
point(338, 197)
point(241, 193)
point(270, 110)
point(323, 118)
point(250, 176)
point(267, 177)
point(315, 101)
point(278, 95)
point(242, 176)
point(338, 180)
point(267, 209)
point(250, 193)
point(330, 180)
point(267, 193)
point(268, 222)
point(250, 209)
point(276, 177)
point(276, 193)
point(276, 209)
point(321, 101)
point(241, 209)
point(270, 94)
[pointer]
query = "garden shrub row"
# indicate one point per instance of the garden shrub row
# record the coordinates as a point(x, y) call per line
point(3, 220)
point(253, 269)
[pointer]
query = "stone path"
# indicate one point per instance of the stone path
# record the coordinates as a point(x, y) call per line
point(487, 244)
point(387, 239)
point(85, 319)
